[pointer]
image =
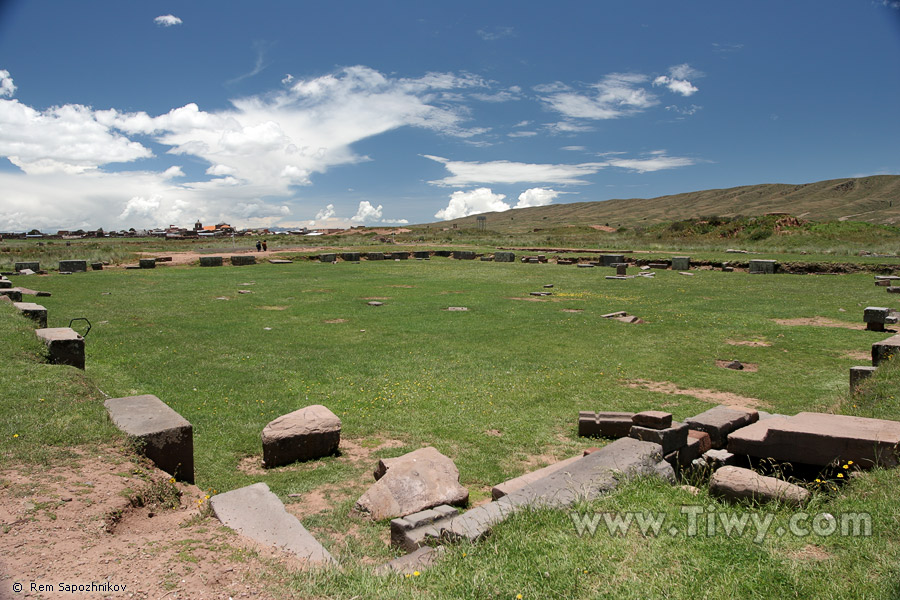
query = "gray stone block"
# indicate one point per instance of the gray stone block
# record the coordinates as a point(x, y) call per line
point(165, 436)
point(35, 312)
point(375, 255)
point(328, 257)
point(672, 438)
point(257, 513)
point(893, 289)
point(464, 254)
point(858, 374)
point(681, 263)
point(511, 485)
point(72, 266)
point(612, 259)
point(881, 351)
point(97, 266)
point(604, 424)
point(280, 261)
point(416, 530)
point(64, 345)
point(658, 266)
point(34, 266)
point(240, 260)
point(718, 458)
point(210, 261)
point(421, 254)
point(13, 293)
point(5, 284)
point(719, 421)
point(504, 257)
point(147, 263)
point(763, 266)
point(350, 256)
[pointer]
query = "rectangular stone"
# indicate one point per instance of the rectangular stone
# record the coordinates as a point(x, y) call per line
point(98, 266)
point(350, 256)
point(33, 265)
point(681, 263)
point(820, 439)
point(702, 437)
point(882, 283)
point(682, 458)
point(5, 284)
point(422, 254)
point(610, 259)
point(720, 421)
point(671, 438)
point(403, 255)
point(893, 289)
point(517, 483)
point(240, 260)
point(147, 263)
point(416, 530)
point(65, 346)
point(375, 256)
point(876, 314)
point(658, 266)
point(328, 257)
point(504, 257)
point(210, 261)
point(881, 351)
point(14, 293)
point(35, 312)
point(654, 419)
point(280, 261)
point(858, 374)
point(464, 254)
point(165, 437)
point(762, 266)
point(72, 266)
point(604, 424)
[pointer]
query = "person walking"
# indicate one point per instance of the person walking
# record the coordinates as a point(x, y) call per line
point(265, 246)
point(258, 246)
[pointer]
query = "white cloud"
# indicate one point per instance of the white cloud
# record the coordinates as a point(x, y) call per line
point(511, 93)
point(658, 162)
point(677, 79)
point(325, 213)
point(463, 204)
point(287, 79)
point(517, 134)
point(616, 95)
point(536, 197)
point(366, 212)
point(172, 172)
point(567, 127)
point(167, 20)
point(504, 171)
point(7, 87)
point(495, 33)
point(574, 148)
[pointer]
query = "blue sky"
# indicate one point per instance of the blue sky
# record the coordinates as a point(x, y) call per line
point(140, 114)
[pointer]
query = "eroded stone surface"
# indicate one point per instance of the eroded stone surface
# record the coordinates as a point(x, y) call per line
point(305, 434)
point(720, 421)
point(736, 483)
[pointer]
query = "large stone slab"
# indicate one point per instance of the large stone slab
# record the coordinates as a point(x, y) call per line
point(671, 438)
point(375, 256)
point(350, 256)
point(147, 263)
point(210, 261)
point(587, 478)
point(257, 513)
point(421, 479)
point(517, 483)
point(464, 254)
point(612, 259)
point(240, 260)
point(820, 439)
point(328, 257)
point(719, 421)
point(883, 350)
point(13, 293)
point(165, 437)
point(33, 265)
point(681, 263)
point(737, 483)
point(418, 529)
point(72, 266)
point(35, 312)
point(65, 345)
point(763, 266)
point(504, 257)
point(305, 434)
point(604, 424)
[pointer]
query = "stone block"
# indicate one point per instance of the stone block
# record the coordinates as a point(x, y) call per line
point(14, 293)
point(763, 266)
point(65, 345)
point(881, 351)
point(517, 483)
point(240, 260)
point(882, 283)
point(611, 259)
point(375, 256)
point(719, 421)
point(703, 438)
point(443, 253)
point(5, 284)
point(718, 458)
point(147, 263)
point(893, 289)
point(736, 483)
point(406, 565)
point(464, 254)
point(33, 265)
point(604, 424)
point(210, 261)
point(416, 530)
point(506, 257)
point(621, 269)
point(684, 456)
point(305, 434)
point(875, 317)
point(858, 374)
point(280, 261)
point(821, 439)
point(681, 263)
point(421, 254)
point(35, 312)
point(72, 266)
point(257, 513)
point(654, 419)
point(97, 266)
point(328, 257)
point(585, 266)
point(658, 266)
point(671, 438)
point(350, 256)
point(400, 255)
point(164, 436)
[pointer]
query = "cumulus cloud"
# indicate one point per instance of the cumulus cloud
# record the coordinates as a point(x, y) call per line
point(504, 171)
point(7, 87)
point(463, 204)
point(325, 213)
point(616, 95)
point(167, 20)
point(536, 197)
point(367, 213)
point(677, 79)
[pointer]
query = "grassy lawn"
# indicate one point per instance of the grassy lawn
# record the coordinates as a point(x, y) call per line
point(497, 388)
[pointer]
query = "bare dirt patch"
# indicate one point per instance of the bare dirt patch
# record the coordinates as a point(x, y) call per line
point(452, 292)
point(726, 398)
point(858, 355)
point(573, 310)
point(335, 321)
point(494, 432)
point(605, 228)
point(811, 552)
point(819, 322)
point(272, 307)
point(409, 287)
point(750, 343)
point(376, 298)
point(748, 367)
point(530, 299)
point(74, 523)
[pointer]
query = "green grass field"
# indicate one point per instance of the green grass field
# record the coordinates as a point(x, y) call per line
point(496, 388)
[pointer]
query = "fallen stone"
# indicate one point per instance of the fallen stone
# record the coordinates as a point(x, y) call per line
point(720, 421)
point(408, 564)
point(763, 266)
point(881, 351)
point(405, 255)
point(686, 273)
point(548, 285)
point(5, 284)
point(703, 438)
point(517, 483)
point(613, 315)
point(540, 293)
point(893, 289)
point(629, 319)
point(505, 257)
point(416, 530)
point(585, 266)
point(653, 419)
point(671, 438)
point(35, 312)
point(65, 345)
point(882, 283)
point(684, 456)
point(305, 434)
point(210, 261)
point(240, 260)
point(621, 269)
point(585, 479)
point(736, 483)
point(375, 303)
point(147, 263)
point(257, 513)
point(421, 479)
point(618, 277)
point(422, 254)
point(163, 435)
point(727, 269)
point(681, 263)
point(858, 374)
point(734, 365)
point(604, 424)
point(658, 266)
point(887, 278)
point(457, 308)
point(821, 439)
point(280, 261)
point(718, 458)
point(72, 266)
point(97, 266)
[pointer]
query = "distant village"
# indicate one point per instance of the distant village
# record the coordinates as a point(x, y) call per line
point(172, 232)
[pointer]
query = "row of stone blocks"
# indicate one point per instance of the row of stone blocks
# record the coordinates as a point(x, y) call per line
point(881, 351)
point(236, 260)
point(330, 257)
